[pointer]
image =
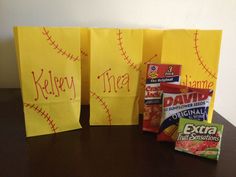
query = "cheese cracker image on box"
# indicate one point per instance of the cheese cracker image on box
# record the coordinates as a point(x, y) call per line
point(156, 74)
point(199, 138)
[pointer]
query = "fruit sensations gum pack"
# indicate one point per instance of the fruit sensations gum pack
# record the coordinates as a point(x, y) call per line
point(181, 101)
point(157, 73)
point(199, 138)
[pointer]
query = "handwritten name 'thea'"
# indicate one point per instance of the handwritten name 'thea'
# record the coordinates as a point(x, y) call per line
point(112, 82)
point(46, 85)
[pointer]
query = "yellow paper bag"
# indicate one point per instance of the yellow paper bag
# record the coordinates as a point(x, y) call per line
point(85, 71)
point(198, 53)
point(152, 43)
point(50, 75)
point(116, 56)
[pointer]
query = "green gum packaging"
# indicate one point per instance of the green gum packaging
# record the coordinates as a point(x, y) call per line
point(199, 138)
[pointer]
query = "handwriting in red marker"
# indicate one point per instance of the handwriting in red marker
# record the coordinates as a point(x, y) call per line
point(47, 84)
point(114, 83)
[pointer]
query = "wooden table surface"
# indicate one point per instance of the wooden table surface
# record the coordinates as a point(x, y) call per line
point(117, 151)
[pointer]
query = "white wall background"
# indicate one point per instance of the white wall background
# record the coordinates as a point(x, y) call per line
point(205, 14)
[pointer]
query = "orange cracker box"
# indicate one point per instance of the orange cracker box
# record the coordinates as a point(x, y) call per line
point(156, 74)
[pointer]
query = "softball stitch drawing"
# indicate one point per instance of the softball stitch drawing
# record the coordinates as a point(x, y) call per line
point(103, 104)
point(52, 42)
point(150, 59)
point(44, 115)
point(123, 51)
point(83, 53)
point(200, 58)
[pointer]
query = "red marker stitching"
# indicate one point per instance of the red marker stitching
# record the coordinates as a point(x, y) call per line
point(57, 47)
point(43, 114)
point(123, 52)
point(142, 83)
point(103, 104)
point(150, 59)
point(83, 53)
point(199, 57)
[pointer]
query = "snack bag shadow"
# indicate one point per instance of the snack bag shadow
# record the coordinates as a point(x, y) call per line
point(85, 64)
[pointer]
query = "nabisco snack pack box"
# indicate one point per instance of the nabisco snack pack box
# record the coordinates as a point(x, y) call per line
point(199, 138)
point(181, 102)
point(156, 74)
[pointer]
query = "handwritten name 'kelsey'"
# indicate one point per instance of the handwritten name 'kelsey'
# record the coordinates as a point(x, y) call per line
point(47, 84)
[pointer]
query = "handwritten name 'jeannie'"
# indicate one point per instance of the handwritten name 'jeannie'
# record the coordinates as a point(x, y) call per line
point(47, 84)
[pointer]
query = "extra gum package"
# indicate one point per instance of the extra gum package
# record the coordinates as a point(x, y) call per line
point(156, 74)
point(199, 138)
point(181, 101)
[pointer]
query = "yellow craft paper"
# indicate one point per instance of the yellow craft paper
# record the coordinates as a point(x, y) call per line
point(17, 50)
point(50, 70)
point(198, 52)
point(152, 43)
point(116, 56)
point(85, 71)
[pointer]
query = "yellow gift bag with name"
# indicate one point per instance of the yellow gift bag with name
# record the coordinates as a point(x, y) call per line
point(198, 52)
point(116, 56)
point(49, 67)
point(152, 43)
point(85, 59)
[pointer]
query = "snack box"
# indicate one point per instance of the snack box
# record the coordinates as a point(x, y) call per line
point(156, 74)
point(199, 138)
